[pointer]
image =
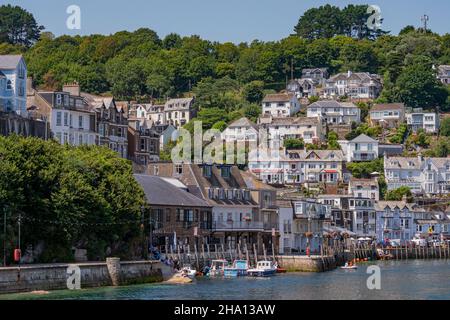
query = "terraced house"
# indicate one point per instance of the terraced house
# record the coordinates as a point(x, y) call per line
point(356, 85)
point(179, 112)
point(71, 118)
point(334, 113)
point(427, 176)
point(243, 209)
point(13, 77)
point(300, 167)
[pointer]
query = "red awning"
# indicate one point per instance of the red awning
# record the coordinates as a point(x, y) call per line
point(330, 171)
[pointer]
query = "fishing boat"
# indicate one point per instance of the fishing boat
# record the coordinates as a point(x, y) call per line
point(217, 268)
point(279, 269)
point(238, 269)
point(263, 269)
point(188, 271)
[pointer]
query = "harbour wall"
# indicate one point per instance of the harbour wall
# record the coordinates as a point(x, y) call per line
point(307, 264)
point(113, 272)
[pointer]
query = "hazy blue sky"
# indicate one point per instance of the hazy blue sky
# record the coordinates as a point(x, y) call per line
point(219, 20)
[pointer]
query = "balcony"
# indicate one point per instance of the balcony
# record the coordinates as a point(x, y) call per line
point(364, 155)
point(238, 226)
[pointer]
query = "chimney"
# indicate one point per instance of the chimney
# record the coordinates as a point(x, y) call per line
point(72, 88)
point(349, 73)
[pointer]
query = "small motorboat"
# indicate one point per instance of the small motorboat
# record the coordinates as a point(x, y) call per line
point(263, 269)
point(279, 269)
point(217, 268)
point(349, 267)
point(188, 271)
point(238, 269)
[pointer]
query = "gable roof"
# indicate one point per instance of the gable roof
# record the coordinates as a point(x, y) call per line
point(161, 192)
point(9, 62)
point(381, 205)
point(242, 122)
point(331, 104)
point(363, 138)
point(278, 97)
point(388, 106)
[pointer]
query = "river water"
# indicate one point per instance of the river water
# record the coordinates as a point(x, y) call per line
point(413, 279)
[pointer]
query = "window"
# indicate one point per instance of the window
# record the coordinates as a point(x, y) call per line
point(80, 139)
point(66, 119)
point(58, 99)
point(142, 144)
point(225, 172)
point(207, 171)
point(58, 119)
point(179, 169)
point(80, 122)
point(8, 85)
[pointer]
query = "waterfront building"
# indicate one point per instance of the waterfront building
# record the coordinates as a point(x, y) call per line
point(242, 211)
point(280, 105)
point(428, 176)
point(13, 84)
point(387, 115)
point(396, 220)
point(334, 113)
point(177, 216)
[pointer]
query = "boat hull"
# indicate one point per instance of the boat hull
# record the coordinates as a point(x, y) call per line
point(235, 272)
point(261, 273)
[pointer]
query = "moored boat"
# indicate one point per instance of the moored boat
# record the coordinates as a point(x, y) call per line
point(188, 271)
point(238, 269)
point(217, 268)
point(263, 269)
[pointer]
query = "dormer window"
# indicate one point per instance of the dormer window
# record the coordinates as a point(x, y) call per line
point(58, 99)
point(225, 172)
point(207, 171)
point(9, 85)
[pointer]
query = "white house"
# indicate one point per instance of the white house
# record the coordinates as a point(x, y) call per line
point(71, 119)
point(298, 167)
point(279, 129)
point(280, 105)
point(428, 121)
point(302, 88)
point(179, 112)
point(241, 130)
point(396, 220)
point(387, 115)
point(364, 217)
point(444, 74)
point(356, 85)
point(429, 176)
point(13, 84)
point(334, 113)
point(364, 188)
point(317, 75)
point(362, 148)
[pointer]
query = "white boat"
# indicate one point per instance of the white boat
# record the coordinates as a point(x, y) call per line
point(263, 269)
point(239, 268)
point(188, 271)
point(346, 266)
point(217, 268)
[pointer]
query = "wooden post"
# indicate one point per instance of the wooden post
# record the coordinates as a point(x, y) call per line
point(196, 257)
point(231, 253)
point(215, 251)
point(246, 254)
point(223, 251)
point(273, 252)
point(264, 252)
point(256, 254)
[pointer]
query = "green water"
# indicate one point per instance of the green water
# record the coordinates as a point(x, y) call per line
point(413, 279)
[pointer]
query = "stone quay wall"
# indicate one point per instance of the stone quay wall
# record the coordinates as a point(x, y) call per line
point(113, 272)
point(307, 264)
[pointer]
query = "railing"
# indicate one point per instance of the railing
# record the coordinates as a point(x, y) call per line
point(238, 225)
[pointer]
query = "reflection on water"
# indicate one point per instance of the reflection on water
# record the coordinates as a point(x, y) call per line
point(419, 279)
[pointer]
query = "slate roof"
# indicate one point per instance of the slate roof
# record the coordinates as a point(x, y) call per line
point(242, 122)
point(294, 121)
point(381, 205)
point(413, 162)
point(331, 104)
point(388, 106)
point(278, 97)
point(160, 192)
point(8, 62)
point(178, 104)
point(363, 138)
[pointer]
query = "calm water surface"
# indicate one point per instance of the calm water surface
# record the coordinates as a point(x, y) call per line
point(399, 280)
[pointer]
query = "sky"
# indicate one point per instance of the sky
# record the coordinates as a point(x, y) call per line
point(219, 20)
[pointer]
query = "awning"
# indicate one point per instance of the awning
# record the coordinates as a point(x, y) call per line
point(330, 171)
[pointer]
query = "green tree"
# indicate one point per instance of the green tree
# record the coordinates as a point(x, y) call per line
point(18, 26)
point(253, 92)
point(294, 144)
point(445, 127)
point(398, 194)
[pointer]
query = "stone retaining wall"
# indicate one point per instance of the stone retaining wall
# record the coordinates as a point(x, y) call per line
point(307, 264)
point(55, 276)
